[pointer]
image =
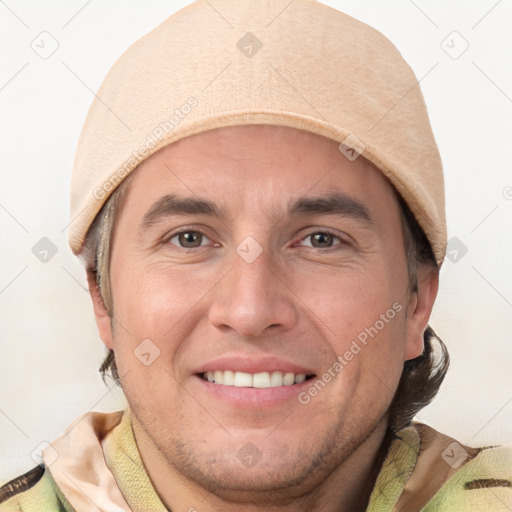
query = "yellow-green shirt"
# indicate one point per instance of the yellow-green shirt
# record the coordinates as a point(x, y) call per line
point(99, 468)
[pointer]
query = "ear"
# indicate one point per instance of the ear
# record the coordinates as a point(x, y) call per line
point(100, 311)
point(419, 310)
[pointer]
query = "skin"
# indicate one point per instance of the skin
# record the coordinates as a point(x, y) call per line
point(298, 301)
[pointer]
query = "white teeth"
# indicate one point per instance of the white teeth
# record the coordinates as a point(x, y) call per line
point(242, 380)
point(228, 379)
point(301, 377)
point(276, 379)
point(257, 380)
point(288, 379)
point(261, 380)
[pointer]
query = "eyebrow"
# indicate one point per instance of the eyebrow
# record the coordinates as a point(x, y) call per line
point(331, 204)
point(335, 203)
point(171, 204)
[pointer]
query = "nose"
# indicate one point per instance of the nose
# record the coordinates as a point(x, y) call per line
point(253, 298)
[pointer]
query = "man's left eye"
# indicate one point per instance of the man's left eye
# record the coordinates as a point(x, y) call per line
point(321, 239)
point(189, 239)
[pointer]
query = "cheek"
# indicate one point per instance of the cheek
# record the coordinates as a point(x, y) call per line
point(363, 317)
point(153, 295)
point(160, 304)
point(348, 303)
point(148, 306)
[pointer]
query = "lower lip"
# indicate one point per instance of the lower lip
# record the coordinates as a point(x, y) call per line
point(253, 397)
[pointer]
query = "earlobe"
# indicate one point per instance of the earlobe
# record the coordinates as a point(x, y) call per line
point(100, 311)
point(420, 308)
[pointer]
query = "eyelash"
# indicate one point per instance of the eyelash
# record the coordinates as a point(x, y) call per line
point(169, 238)
point(323, 232)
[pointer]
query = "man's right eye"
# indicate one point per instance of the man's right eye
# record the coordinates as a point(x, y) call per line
point(189, 239)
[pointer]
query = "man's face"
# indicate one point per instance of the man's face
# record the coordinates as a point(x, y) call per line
point(295, 259)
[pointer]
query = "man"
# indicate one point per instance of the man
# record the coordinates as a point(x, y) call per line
point(261, 215)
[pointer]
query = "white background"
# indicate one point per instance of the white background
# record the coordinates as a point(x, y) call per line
point(50, 350)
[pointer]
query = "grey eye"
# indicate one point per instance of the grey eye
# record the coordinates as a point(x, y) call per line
point(321, 239)
point(188, 239)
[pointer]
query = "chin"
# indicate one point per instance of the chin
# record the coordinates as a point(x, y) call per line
point(259, 467)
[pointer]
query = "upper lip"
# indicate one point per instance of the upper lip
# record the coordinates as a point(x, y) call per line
point(239, 363)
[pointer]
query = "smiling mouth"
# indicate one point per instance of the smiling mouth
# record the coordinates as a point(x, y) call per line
point(254, 380)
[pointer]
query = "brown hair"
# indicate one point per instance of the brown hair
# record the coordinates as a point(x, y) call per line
point(421, 377)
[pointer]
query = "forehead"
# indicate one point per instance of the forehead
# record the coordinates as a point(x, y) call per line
point(258, 165)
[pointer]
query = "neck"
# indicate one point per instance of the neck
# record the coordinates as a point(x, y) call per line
point(347, 487)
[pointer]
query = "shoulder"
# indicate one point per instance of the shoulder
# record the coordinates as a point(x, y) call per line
point(79, 449)
point(483, 483)
point(475, 478)
point(35, 491)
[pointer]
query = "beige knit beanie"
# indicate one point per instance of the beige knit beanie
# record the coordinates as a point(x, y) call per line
point(233, 62)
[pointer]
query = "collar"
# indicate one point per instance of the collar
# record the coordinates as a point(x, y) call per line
point(98, 467)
